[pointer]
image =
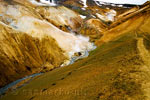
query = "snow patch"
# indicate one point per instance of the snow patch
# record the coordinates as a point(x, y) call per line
point(83, 8)
point(83, 17)
point(138, 2)
point(109, 16)
point(84, 3)
point(113, 5)
point(43, 2)
point(98, 3)
point(120, 5)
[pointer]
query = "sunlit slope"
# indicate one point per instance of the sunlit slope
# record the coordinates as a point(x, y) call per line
point(117, 70)
point(139, 22)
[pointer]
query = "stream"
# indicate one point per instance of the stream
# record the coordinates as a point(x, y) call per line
point(5, 89)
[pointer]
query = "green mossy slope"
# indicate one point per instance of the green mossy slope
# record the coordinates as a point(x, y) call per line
point(114, 71)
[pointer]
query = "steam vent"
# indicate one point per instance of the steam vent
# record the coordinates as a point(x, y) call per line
point(74, 50)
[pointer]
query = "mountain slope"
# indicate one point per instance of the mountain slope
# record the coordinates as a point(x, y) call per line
point(30, 43)
point(22, 54)
point(116, 70)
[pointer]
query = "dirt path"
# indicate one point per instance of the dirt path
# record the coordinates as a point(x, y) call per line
point(145, 55)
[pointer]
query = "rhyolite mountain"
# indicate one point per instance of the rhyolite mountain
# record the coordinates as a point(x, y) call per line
point(40, 36)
